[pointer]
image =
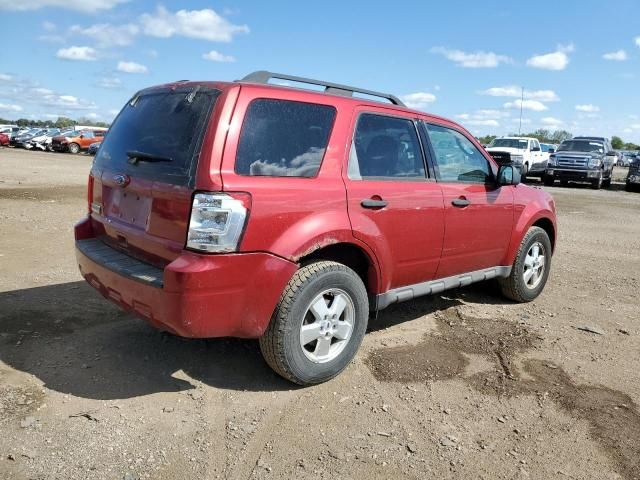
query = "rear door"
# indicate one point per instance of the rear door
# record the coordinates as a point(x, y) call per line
point(478, 214)
point(395, 205)
point(144, 172)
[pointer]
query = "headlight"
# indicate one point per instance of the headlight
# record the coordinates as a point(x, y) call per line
point(594, 162)
point(517, 158)
point(552, 161)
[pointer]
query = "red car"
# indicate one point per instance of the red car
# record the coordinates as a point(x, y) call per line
point(4, 139)
point(255, 210)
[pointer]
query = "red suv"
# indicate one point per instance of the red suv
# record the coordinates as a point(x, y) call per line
point(255, 210)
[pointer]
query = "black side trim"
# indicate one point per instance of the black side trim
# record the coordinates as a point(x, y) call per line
point(120, 263)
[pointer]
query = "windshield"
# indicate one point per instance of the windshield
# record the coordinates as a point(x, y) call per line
point(167, 123)
point(581, 146)
point(509, 143)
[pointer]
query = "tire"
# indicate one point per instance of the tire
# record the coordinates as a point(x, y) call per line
point(564, 183)
point(514, 286)
point(282, 345)
point(606, 183)
point(548, 181)
point(597, 184)
point(525, 170)
point(74, 148)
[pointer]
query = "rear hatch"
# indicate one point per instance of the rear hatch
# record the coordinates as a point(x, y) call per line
point(144, 172)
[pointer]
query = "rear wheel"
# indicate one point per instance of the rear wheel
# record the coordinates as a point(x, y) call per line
point(318, 324)
point(74, 148)
point(530, 269)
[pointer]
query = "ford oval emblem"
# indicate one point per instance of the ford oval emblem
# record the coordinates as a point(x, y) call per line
point(121, 180)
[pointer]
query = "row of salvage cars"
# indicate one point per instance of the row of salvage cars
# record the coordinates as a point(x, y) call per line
point(579, 159)
point(72, 140)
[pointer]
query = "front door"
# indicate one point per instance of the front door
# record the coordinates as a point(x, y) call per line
point(478, 214)
point(395, 207)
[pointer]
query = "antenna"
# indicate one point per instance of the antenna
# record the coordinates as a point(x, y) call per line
point(521, 102)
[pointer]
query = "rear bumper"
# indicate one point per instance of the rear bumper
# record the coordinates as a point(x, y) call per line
point(59, 147)
point(195, 295)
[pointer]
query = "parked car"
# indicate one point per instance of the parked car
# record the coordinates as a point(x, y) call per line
point(75, 141)
point(9, 130)
point(633, 177)
point(627, 158)
point(4, 139)
point(93, 148)
point(43, 142)
point(255, 210)
point(523, 151)
point(581, 160)
point(24, 140)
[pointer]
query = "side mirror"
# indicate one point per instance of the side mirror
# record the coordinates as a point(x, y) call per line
point(552, 150)
point(508, 175)
point(535, 149)
point(611, 153)
point(82, 136)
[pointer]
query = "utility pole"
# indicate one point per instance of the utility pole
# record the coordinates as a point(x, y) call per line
point(521, 102)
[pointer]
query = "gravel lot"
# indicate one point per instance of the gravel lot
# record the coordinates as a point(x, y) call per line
point(462, 385)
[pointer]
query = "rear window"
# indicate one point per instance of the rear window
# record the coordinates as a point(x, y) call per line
point(165, 128)
point(282, 138)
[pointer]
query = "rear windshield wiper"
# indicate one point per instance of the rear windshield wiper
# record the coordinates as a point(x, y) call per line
point(136, 156)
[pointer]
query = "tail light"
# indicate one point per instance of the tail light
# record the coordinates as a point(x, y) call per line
point(217, 221)
point(90, 193)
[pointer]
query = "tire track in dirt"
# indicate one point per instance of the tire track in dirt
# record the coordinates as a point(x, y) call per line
point(613, 417)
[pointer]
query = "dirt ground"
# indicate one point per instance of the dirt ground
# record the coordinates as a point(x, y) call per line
point(461, 385)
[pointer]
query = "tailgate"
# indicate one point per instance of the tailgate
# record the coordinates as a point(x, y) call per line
point(143, 175)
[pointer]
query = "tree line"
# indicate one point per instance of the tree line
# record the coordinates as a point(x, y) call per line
point(61, 122)
point(558, 136)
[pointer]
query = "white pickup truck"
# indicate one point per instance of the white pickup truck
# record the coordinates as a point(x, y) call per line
point(523, 151)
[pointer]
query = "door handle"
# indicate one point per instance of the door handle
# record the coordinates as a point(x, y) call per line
point(372, 203)
point(460, 202)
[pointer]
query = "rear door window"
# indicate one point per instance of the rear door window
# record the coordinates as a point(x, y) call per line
point(158, 134)
point(282, 138)
point(386, 148)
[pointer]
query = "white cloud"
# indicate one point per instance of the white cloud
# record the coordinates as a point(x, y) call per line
point(109, 82)
point(637, 40)
point(87, 6)
point(216, 56)
point(619, 56)
point(587, 108)
point(107, 35)
point(9, 107)
point(49, 26)
point(86, 54)
point(478, 59)
point(204, 24)
point(557, 60)
point(52, 38)
point(132, 67)
point(483, 123)
point(92, 116)
point(418, 100)
point(516, 92)
point(534, 105)
point(5, 77)
point(552, 122)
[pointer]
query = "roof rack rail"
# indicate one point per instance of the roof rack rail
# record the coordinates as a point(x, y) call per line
point(263, 76)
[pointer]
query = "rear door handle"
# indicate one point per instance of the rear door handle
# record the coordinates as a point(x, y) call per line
point(371, 203)
point(460, 202)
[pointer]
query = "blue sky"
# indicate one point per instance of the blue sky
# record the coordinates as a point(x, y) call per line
point(579, 62)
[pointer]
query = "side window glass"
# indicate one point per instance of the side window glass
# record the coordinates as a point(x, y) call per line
point(385, 148)
point(282, 138)
point(456, 158)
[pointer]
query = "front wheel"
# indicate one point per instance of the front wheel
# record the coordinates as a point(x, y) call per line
point(548, 181)
point(74, 148)
point(318, 325)
point(530, 269)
